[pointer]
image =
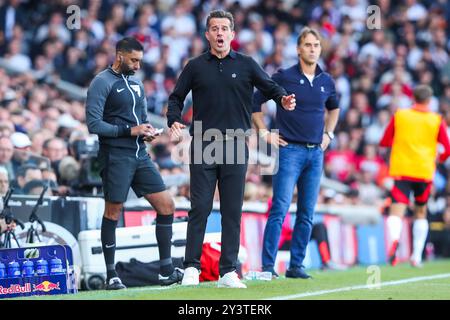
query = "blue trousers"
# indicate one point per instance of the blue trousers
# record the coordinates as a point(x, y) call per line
point(301, 166)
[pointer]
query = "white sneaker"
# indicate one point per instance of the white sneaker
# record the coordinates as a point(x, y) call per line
point(190, 277)
point(230, 280)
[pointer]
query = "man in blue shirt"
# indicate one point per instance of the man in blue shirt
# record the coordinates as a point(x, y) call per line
point(304, 134)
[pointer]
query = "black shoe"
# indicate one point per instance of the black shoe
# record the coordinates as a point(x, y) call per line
point(297, 273)
point(175, 277)
point(270, 269)
point(115, 284)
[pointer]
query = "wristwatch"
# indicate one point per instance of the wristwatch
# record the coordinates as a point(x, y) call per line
point(263, 133)
point(330, 134)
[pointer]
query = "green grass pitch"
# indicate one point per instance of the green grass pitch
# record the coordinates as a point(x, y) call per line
point(432, 282)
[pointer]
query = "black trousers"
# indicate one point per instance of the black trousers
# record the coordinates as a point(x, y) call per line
point(229, 174)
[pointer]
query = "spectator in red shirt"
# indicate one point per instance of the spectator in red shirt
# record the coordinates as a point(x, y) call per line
point(341, 163)
point(370, 161)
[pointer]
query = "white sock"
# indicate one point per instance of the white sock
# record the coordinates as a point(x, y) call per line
point(394, 225)
point(420, 232)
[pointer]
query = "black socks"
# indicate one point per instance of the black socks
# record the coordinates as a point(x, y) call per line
point(164, 237)
point(108, 237)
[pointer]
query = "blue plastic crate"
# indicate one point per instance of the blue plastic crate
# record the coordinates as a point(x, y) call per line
point(63, 282)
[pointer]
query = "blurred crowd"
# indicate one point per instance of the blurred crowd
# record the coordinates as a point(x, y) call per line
point(43, 135)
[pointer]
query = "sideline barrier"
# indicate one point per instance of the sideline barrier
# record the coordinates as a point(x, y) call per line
point(356, 233)
point(349, 230)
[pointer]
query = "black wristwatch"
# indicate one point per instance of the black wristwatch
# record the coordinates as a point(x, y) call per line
point(330, 134)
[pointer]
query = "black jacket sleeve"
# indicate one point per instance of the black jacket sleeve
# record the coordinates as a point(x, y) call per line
point(268, 87)
point(176, 99)
point(95, 103)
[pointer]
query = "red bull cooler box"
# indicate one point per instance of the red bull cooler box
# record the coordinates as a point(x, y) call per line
point(41, 270)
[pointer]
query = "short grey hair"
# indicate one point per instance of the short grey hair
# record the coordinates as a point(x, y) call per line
point(69, 168)
point(220, 14)
point(4, 171)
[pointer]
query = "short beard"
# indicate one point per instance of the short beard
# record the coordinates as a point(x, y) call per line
point(125, 70)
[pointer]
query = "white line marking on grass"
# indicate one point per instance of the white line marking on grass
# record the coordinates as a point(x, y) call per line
point(174, 286)
point(149, 288)
point(351, 288)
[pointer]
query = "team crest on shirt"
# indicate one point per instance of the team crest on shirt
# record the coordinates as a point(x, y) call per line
point(302, 81)
point(322, 89)
point(136, 88)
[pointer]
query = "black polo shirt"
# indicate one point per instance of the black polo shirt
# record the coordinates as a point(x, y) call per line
point(222, 91)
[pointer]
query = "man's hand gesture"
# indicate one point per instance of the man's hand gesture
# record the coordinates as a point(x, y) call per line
point(288, 102)
point(144, 129)
point(175, 133)
point(273, 138)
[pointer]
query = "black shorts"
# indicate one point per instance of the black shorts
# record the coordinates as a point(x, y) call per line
point(120, 170)
point(402, 188)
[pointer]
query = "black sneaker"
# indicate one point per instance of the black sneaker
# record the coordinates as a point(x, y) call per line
point(115, 284)
point(270, 269)
point(175, 277)
point(297, 273)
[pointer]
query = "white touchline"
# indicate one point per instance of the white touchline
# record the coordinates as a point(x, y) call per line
point(382, 284)
point(150, 288)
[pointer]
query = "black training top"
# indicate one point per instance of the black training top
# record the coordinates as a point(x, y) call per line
point(114, 104)
point(222, 91)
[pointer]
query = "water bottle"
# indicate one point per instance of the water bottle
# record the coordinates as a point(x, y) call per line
point(56, 266)
point(42, 267)
point(265, 276)
point(251, 275)
point(28, 268)
point(257, 275)
point(2, 271)
point(13, 269)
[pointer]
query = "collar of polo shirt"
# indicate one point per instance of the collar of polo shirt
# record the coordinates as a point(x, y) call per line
point(317, 71)
point(232, 54)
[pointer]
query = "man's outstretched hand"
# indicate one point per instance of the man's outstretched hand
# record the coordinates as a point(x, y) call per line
point(288, 102)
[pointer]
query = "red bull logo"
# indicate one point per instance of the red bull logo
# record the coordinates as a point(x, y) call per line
point(46, 286)
point(15, 288)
